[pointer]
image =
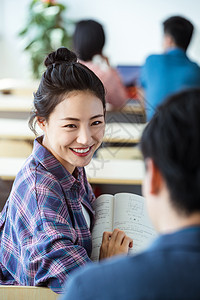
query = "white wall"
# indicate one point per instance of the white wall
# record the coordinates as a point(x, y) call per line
point(133, 29)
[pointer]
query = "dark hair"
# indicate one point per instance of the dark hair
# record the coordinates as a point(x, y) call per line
point(88, 39)
point(180, 29)
point(172, 141)
point(63, 75)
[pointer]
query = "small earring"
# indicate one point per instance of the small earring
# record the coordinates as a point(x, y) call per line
point(41, 122)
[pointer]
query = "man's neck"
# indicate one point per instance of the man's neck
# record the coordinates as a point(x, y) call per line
point(179, 221)
point(169, 218)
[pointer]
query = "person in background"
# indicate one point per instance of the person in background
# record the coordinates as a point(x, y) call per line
point(88, 43)
point(171, 71)
point(169, 268)
point(46, 223)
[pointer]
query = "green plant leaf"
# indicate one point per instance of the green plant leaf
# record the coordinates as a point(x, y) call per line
point(45, 30)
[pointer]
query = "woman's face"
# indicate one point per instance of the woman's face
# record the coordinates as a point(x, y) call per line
point(75, 129)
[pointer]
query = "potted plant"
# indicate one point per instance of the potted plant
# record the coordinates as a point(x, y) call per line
point(44, 31)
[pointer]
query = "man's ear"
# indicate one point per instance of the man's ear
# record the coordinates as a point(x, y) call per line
point(41, 122)
point(155, 177)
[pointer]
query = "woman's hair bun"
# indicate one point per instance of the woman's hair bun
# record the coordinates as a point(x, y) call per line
point(61, 55)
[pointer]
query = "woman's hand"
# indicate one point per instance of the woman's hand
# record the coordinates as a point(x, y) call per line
point(114, 243)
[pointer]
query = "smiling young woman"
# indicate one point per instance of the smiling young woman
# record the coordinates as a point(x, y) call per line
point(45, 226)
point(72, 132)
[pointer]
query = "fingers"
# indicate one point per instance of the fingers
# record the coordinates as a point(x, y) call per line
point(120, 238)
point(104, 245)
point(127, 242)
point(106, 236)
point(115, 243)
point(117, 237)
point(131, 244)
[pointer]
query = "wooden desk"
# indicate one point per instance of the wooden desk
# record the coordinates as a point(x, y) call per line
point(123, 132)
point(13, 103)
point(132, 112)
point(132, 106)
point(115, 171)
point(10, 166)
point(11, 292)
point(98, 171)
point(18, 86)
point(15, 129)
point(114, 133)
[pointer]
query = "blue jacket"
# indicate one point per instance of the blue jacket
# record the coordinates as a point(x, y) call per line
point(168, 270)
point(165, 74)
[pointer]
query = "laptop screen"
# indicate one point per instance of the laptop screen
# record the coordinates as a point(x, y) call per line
point(129, 74)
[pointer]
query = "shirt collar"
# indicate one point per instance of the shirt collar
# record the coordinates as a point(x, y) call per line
point(51, 164)
point(176, 51)
point(185, 237)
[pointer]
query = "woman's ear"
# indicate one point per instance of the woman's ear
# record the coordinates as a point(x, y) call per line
point(41, 122)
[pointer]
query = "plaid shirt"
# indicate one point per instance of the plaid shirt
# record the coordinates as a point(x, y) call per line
point(43, 233)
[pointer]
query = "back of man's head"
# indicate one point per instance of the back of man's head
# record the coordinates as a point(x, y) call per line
point(172, 141)
point(180, 30)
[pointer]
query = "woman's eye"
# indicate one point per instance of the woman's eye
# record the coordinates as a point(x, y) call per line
point(70, 126)
point(96, 123)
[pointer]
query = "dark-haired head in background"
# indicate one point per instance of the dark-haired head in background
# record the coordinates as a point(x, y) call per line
point(88, 43)
point(179, 30)
point(169, 268)
point(171, 71)
point(46, 222)
point(88, 39)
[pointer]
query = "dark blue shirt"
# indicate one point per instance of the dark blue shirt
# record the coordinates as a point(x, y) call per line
point(168, 270)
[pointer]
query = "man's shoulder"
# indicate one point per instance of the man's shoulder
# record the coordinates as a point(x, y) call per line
point(119, 268)
point(155, 58)
point(129, 277)
point(114, 278)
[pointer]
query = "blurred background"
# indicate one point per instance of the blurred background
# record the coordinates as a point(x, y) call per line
point(133, 29)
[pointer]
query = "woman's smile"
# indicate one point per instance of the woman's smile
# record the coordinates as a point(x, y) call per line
point(81, 151)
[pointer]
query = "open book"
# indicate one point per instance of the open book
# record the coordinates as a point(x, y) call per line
point(127, 212)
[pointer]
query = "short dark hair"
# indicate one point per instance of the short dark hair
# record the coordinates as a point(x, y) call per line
point(172, 141)
point(88, 39)
point(63, 75)
point(180, 29)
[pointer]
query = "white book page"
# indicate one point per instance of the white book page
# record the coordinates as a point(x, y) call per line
point(130, 215)
point(103, 207)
